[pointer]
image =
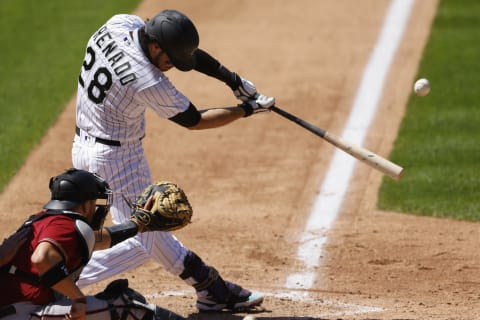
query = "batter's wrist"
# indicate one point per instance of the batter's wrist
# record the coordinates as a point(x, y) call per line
point(247, 109)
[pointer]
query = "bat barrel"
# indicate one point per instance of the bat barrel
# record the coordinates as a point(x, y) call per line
point(373, 160)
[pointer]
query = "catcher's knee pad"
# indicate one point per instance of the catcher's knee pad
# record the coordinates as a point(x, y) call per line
point(123, 301)
point(119, 288)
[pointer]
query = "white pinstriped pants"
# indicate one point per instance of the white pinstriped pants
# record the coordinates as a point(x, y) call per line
point(126, 170)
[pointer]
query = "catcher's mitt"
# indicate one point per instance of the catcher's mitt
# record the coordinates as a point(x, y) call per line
point(168, 209)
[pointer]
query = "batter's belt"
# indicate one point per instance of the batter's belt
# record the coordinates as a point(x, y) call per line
point(113, 143)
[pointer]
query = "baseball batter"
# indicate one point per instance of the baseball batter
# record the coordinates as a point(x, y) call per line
point(122, 74)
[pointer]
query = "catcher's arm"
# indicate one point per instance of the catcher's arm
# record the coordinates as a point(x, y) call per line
point(112, 235)
point(163, 206)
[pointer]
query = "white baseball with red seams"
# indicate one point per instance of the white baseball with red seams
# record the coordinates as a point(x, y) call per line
point(422, 87)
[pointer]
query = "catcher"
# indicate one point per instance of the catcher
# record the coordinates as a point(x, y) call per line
point(39, 280)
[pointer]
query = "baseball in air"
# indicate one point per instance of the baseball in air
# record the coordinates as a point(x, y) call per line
point(422, 87)
point(249, 317)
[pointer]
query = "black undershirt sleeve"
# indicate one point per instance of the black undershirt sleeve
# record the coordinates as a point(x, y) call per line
point(210, 66)
point(187, 118)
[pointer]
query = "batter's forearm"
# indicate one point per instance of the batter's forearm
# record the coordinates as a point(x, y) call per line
point(214, 118)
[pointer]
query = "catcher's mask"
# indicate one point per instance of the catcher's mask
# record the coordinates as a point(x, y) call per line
point(73, 187)
point(176, 34)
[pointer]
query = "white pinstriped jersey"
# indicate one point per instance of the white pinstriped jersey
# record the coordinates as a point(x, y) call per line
point(117, 83)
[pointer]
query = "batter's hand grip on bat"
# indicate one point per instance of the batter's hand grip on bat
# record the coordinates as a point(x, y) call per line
point(368, 157)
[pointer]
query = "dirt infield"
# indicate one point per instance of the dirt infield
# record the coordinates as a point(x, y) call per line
point(252, 184)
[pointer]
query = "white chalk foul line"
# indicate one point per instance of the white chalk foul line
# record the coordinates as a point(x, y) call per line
point(334, 187)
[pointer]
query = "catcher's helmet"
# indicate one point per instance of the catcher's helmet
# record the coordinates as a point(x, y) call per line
point(74, 187)
point(176, 34)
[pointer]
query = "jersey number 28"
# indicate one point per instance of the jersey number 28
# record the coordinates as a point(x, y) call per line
point(101, 81)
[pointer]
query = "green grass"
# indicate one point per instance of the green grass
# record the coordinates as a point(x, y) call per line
point(438, 142)
point(43, 44)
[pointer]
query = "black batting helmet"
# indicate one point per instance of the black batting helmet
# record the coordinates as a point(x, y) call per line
point(176, 35)
point(74, 187)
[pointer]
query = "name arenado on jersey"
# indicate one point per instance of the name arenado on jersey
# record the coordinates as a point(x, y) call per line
point(114, 55)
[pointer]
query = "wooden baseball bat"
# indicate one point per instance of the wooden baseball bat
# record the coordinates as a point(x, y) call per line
point(373, 160)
